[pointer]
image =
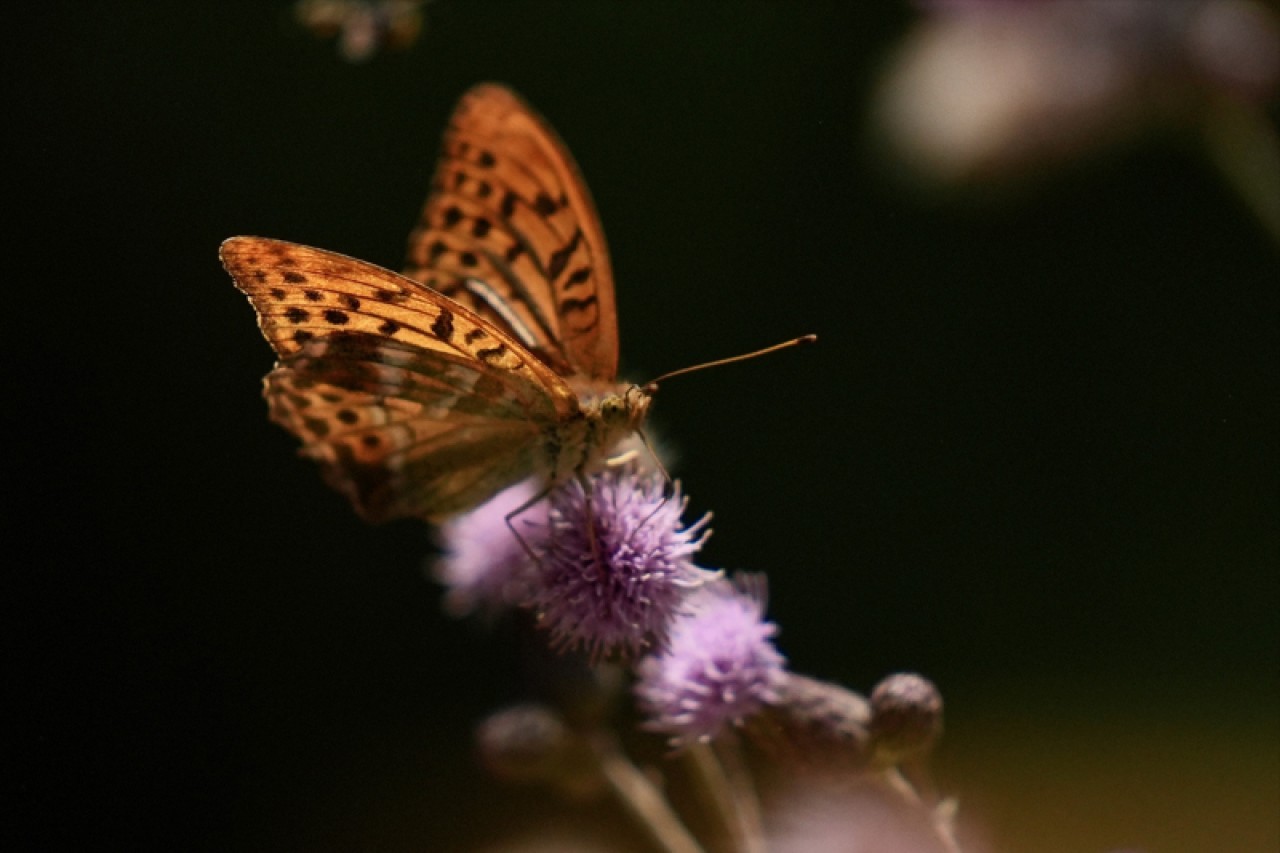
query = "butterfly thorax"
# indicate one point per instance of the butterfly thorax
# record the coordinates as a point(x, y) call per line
point(610, 413)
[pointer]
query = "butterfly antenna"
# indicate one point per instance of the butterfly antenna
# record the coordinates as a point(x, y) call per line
point(652, 384)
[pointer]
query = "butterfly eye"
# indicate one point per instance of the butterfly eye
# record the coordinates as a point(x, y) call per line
point(613, 409)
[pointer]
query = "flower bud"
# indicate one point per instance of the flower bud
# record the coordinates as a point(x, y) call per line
point(906, 717)
point(816, 724)
point(531, 743)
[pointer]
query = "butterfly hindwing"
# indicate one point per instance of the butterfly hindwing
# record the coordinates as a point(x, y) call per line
point(510, 230)
point(408, 432)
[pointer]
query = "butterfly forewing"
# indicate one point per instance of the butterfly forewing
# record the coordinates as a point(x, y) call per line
point(302, 293)
point(510, 230)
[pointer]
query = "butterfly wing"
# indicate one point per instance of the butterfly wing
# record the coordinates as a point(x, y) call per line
point(510, 230)
point(406, 432)
point(412, 404)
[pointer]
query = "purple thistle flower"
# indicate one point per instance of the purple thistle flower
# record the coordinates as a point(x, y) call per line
point(719, 667)
point(484, 566)
point(618, 590)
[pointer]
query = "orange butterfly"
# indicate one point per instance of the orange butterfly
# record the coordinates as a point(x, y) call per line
point(493, 362)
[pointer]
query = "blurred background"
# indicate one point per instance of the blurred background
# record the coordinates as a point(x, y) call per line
point(1033, 455)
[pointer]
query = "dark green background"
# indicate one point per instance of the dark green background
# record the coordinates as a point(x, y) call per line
point(1033, 456)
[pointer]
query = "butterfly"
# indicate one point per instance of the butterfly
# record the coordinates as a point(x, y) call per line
point(491, 360)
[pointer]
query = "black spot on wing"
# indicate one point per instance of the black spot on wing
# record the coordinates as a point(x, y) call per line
point(569, 306)
point(335, 317)
point(544, 205)
point(316, 426)
point(560, 257)
point(442, 327)
point(293, 277)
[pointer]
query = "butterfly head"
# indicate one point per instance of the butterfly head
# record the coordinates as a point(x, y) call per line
point(625, 412)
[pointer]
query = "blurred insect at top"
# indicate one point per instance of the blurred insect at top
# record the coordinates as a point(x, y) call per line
point(363, 27)
point(990, 90)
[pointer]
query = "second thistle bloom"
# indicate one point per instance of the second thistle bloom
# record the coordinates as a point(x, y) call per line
point(718, 668)
point(616, 564)
point(484, 566)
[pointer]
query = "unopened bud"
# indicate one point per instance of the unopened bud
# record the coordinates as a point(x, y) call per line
point(531, 743)
point(815, 723)
point(906, 717)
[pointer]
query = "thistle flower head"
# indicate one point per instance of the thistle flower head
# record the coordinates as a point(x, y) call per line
point(719, 666)
point(615, 564)
point(484, 566)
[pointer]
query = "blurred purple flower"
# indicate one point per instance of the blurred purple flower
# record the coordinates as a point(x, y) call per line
point(985, 89)
point(484, 566)
point(718, 667)
point(616, 591)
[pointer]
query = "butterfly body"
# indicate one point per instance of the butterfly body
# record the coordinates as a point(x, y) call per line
point(490, 361)
point(607, 420)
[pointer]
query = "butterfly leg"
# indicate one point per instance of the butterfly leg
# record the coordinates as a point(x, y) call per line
point(518, 511)
point(588, 493)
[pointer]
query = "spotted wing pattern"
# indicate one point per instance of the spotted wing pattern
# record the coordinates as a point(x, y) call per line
point(403, 431)
point(412, 404)
point(510, 230)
